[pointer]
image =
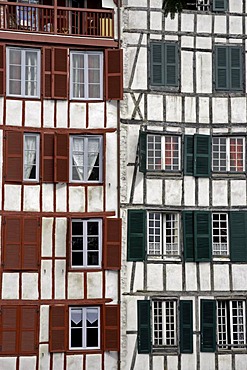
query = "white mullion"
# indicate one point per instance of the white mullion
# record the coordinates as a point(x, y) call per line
point(228, 154)
point(84, 327)
point(85, 158)
point(164, 323)
point(179, 153)
point(23, 74)
point(243, 141)
point(86, 75)
point(101, 75)
point(85, 236)
point(231, 321)
point(100, 157)
point(163, 147)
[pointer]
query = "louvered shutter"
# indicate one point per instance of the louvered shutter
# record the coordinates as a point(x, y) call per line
point(14, 156)
point(2, 65)
point(12, 243)
point(202, 236)
point(142, 151)
point(61, 158)
point(9, 330)
point(202, 155)
point(136, 247)
point(144, 329)
point(219, 5)
point(238, 236)
point(47, 72)
point(112, 327)
point(114, 74)
point(58, 328)
point(186, 326)
point(208, 325)
point(48, 158)
point(222, 68)
point(189, 155)
point(60, 88)
point(112, 247)
point(157, 64)
point(171, 64)
point(235, 55)
point(31, 243)
point(188, 236)
point(28, 330)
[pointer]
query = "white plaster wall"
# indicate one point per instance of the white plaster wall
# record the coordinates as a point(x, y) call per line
point(78, 115)
point(155, 277)
point(189, 191)
point(239, 277)
point(219, 192)
point(203, 72)
point(156, 21)
point(60, 271)
point(207, 361)
point(137, 20)
point(188, 361)
point(141, 68)
point(77, 199)
point(8, 363)
point(29, 286)
point(48, 112)
point(46, 239)
point(204, 110)
point(1, 111)
point(240, 362)
point(238, 110)
point(58, 361)
point(10, 285)
point(225, 362)
point(155, 107)
point(154, 191)
point(131, 313)
point(111, 360)
point(95, 199)
point(235, 25)
point(31, 198)
point(235, 6)
point(46, 279)
point(111, 172)
point(44, 357)
point(187, 42)
point(173, 192)
point(238, 192)
point(174, 113)
point(204, 23)
point(187, 22)
point(62, 113)
point(190, 276)
point(138, 278)
point(142, 361)
point(27, 363)
point(32, 113)
point(203, 43)
point(13, 112)
point(112, 285)
point(111, 116)
point(203, 192)
point(220, 110)
point(190, 109)
point(221, 277)
point(94, 285)
point(96, 115)
point(172, 363)
point(173, 283)
point(1, 165)
point(138, 190)
point(75, 285)
point(12, 197)
point(61, 198)
point(47, 198)
point(60, 237)
point(75, 362)
point(158, 362)
point(93, 362)
point(44, 324)
point(204, 273)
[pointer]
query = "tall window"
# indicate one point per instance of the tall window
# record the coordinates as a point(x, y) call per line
point(163, 152)
point(164, 323)
point(228, 154)
point(31, 157)
point(86, 71)
point(220, 234)
point(23, 72)
point(228, 68)
point(164, 64)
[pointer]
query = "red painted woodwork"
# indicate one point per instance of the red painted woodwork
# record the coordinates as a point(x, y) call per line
point(112, 327)
point(114, 74)
point(9, 326)
point(48, 157)
point(28, 330)
point(60, 89)
point(58, 328)
point(47, 72)
point(61, 158)
point(31, 243)
point(2, 63)
point(112, 247)
point(12, 243)
point(14, 156)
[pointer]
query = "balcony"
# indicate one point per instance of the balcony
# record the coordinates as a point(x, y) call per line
point(56, 20)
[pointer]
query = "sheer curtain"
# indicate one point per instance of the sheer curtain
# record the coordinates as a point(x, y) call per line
point(76, 316)
point(78, 159)
point(29, 156)
point(93, 152)
point(78, 76)
point(31, 74)
point(92, 315)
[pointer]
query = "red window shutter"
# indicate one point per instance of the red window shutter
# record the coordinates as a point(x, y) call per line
point(47, 72)
point(60, 73)
point(14, 156)
point(2, 64)
point(61, 158)
point(9, 326)
point(112, 327)
point(31, 243)
point(48, 158)
point(58, 328)
point(28, 330)
point(112, 252)
point(114, 74)
point(12, 243)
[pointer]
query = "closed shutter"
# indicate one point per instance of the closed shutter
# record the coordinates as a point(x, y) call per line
point(186, 326)
point(2, 65)
point(47, 72)
point(28, 330)
point(112, 327)
point(189, 155)
point(60, 88)
point(142, 151)
point(220, 5)
point(136, 247)
point(61, 158)
point(188, 236)
point(12, 243)
point(114, 74)
point(235, 55)
point(202, 239)
point(112, 247)
point(222, 68)
point(238, 236)
point(48, 158)
point(58, 328)
point(208, 325)
point(157, 64)
point(171, 64)
point(9, 330)
point(144, 329)
point(31, 243)
point(14, 156)
point(202, 155)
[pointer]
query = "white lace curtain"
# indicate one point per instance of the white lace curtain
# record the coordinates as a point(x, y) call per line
point(77, 314)
point(29, 155)
point(85, 153)
point(31, 73)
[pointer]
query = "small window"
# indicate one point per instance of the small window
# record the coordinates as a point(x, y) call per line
point(84, 328)
point(206, 5)
point(86, 71)
point(220, 234)
point(228, 154)
point(86, 158)
point(163, 153)
point(23, 72)
point(228, 68)
point(31, 157)
point(86, 243)
point(164, 324)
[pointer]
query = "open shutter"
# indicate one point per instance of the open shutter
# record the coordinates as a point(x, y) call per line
point(202, 237)
point(219, 5)
point(61, 158)
point(60, 88)
point(47, 72)
point(235, 68)
point(202, 155)
point(238, 236)
point(2, 72)
point(114, 74)
point(31, 243)
point(189, 155)
point(142, 151)
point(112, 327)
point(171, 64)
point(188, 236)
point(136, 235)
point(208, 325)
point(186, 326)
point(48, 158)
point(9, 330)
point(222, 68)
point(12, 243)
point(28, 330)
point(14, 156)
point(144, 329)
point(112, 247)
point(58, 328)
point(157, 64)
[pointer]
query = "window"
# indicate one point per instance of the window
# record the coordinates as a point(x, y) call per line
point(164, 64)
point(23, 72)
point(228, 154)
point(86, 73)
point(197, 155)
point(220, 234)
point(164, 323)
point(228, 68)
point(163, 152)
point(31, 157)
point(86, 243)
point(207, 5)
point(84, 328)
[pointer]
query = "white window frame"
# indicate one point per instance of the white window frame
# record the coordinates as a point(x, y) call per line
point(85, 244)
point(86, 91)
point(37, 165)
point(167, 336)
point(228, 154)
point(84, 333)
point(220, 249)
point(23, 72)
point(161, 157)
point(85, 138)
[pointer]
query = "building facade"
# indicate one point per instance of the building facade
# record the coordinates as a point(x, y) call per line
point(183, 195)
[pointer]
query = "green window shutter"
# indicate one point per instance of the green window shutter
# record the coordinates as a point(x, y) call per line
point(202, 155)
point(238, 236)
point(203, 239)
point(171, 64)
point(136, 246)
point(157, 64)
point(208, 325)
point(186, 326)
point(142, 151)
point(235, 55)
point(144, 329)
point(188, 233)
point(219, 5)
point(222, 68)
point(188, 154)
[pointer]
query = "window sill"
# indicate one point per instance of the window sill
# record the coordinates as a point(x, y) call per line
point(157, 259)
point(155, 173)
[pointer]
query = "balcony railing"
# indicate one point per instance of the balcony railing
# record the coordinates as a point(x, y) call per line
point(56, 20)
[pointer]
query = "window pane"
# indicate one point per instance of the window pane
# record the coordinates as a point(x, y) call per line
point(30, 157)
point(78, 158)
point(78, 72)
point(220, 233)
point(93, 159)
point(92, 327)
point(219, 154)
point(76, 322)
point(154, 234)
point(154, 152)
point(236, 155)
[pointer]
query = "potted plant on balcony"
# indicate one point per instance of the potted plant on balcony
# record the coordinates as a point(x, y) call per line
point(173, 6)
